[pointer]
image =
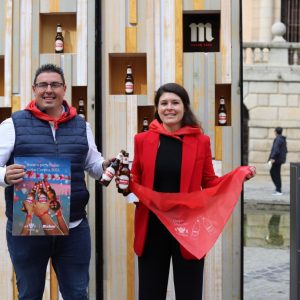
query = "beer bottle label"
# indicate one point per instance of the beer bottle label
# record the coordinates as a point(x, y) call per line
point(108, 174)
point(59, 45)
point(222, 118)
point(128, 87)
point(123, 182)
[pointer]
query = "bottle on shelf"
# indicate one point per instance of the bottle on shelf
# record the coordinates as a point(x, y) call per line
point(59, 40)
point(81, 109)
point(111, 170)
point(129, 83)
point(124, 176)
point(222, 114)
point(145, 125)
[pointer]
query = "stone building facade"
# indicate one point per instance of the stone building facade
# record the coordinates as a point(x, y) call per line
point(271, 86)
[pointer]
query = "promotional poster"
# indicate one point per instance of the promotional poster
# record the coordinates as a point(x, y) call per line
point(42, 200)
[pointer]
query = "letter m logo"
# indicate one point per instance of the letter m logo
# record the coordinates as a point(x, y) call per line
point(201, 32)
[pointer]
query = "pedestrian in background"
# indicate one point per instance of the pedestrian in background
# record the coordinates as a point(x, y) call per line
point(277, 158)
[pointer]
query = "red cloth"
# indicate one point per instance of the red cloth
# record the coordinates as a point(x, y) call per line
point(195, 219)
point(67, 115)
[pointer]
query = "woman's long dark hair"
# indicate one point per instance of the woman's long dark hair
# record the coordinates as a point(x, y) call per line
point(189, 117)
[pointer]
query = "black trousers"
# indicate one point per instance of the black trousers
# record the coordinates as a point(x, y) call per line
point(154, 266)
point(275, 173)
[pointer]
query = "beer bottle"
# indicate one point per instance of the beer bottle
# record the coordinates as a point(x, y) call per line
point(124, 176)
point(111, 170)
point(222, 115)
point(145, 125)
point(129, 81)
point(30, 197)
point(81, 109)
point(51, 194)
point(59, 40)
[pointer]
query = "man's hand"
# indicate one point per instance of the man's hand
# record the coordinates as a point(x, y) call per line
point(107, 162)
point(14, 174)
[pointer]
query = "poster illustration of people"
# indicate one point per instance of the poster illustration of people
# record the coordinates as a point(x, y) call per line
point(42, 200)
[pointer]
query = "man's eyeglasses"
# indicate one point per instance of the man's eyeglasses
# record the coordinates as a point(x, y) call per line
point(44, 85)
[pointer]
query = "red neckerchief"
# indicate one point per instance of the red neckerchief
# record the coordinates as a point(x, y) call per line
point(157, 127)
point(70, 112)
point(195, 219)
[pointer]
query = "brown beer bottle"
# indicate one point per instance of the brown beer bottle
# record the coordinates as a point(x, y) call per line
point(124, 176)
point(30, 197)
point(129, 83)
point(81, 109)
point(145, 125)
point(111, 170)
point(59, 40)
point(222, 114)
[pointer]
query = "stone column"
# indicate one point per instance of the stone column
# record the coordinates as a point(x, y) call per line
point(266, 20)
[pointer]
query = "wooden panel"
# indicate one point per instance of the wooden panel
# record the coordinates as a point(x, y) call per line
point(178, 42)
point(35, 54)
point(2, 27)
point(131, 130)
point(145, 44)
point(47, 34)
point(131, 34)
point(82, 29)
point(54, 6)
point(218, 143)
point(16, 103)
point(16, 49)
point(168, 42)
point(8, 53)
point(132, 12)
point(25, 54)
point(225, 41)
point(66, 64)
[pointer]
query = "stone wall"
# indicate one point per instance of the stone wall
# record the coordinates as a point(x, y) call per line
point(271, 95)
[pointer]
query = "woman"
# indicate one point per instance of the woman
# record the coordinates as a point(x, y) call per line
point(173, 156)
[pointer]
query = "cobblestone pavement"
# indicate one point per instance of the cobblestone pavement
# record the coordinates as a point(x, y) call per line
point(266, 270)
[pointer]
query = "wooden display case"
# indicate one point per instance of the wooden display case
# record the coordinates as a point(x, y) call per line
point(2, 76)
point(79, 92)
point(145, 111)
point(225, 91)
point(48, 24)
point(117, 72)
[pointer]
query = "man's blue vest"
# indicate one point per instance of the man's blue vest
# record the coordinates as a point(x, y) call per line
point(34, 138)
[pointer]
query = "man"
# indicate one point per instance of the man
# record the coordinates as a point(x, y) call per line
point(277, 158)
point(50, 127)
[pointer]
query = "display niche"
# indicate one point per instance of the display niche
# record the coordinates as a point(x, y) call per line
point(118, 63)
point(48, 23)
point(223, 104)
point(80, 93)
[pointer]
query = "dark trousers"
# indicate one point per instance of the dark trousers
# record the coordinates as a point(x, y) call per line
point(276, 176)
point(154, 266)
point(70, 258)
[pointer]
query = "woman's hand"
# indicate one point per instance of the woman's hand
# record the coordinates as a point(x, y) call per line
point(252, 172)
point(14, 174)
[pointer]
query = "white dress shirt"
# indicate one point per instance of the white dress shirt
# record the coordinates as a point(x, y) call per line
point(93, 162)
